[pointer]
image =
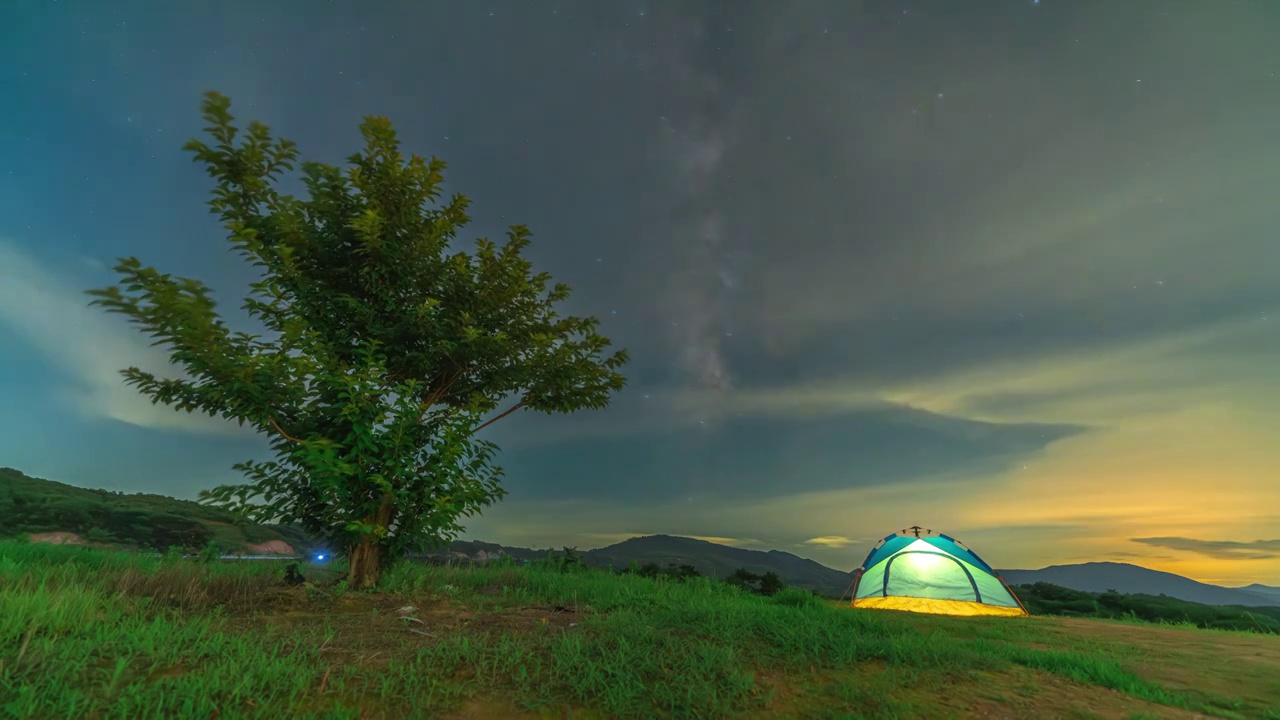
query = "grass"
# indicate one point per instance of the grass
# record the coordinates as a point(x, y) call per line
point(97, 634)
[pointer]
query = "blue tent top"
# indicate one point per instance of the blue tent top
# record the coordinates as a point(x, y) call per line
point(895, 542)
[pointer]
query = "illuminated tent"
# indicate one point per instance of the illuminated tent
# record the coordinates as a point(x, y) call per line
point(931, 573)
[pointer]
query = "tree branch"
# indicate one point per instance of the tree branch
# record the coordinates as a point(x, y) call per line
point(441, 389)
point(509, 410)
point(280, 430)
point(438, 394)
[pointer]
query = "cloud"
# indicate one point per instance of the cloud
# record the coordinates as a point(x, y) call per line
point(1219, 549)
point(1103, 384)
point(730, 541)
point(831, 541)
point(1120, 555)
point(753, 457)
point(51, 312)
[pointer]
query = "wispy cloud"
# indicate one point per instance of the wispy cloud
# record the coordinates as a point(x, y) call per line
point(831, 541)
point(730, 541)
point(50, 311)
point(1220, 549)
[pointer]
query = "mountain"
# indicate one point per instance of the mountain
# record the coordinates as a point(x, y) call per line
point(708, 558)
point(66, 513)
point(1266, 591)
point(472, 549)
point(716, 560)
point(1132, 579)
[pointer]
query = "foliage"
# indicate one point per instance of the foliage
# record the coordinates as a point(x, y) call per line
point(767, 584)
point(138, 520)
point(1048, 599)
point(211, 553)
point(569, 560)
point(382, 351)
point(671, 571)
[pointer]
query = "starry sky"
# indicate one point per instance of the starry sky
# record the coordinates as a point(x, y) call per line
point(1006, 269)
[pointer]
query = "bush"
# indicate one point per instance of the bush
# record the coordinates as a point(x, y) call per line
point(767, 584)
point(210, 553)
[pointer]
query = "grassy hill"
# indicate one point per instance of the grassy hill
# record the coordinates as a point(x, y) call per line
point(93, 634)
point(34, 505)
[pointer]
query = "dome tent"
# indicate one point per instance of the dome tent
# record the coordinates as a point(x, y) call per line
point(919, 571)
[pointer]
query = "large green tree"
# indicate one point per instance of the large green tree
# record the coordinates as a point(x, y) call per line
point(383, 349)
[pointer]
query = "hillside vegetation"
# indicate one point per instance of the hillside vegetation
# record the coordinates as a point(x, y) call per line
point(1048, 599)
point(138, 520)
point(90, 633)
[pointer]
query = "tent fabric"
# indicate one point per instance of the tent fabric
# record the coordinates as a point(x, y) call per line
point(932, 574)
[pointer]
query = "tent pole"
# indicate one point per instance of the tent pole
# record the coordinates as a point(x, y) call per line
point(1013, 594)
point(853, 585)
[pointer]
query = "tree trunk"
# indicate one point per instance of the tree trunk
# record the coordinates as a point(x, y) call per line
point(364, 560)
point(362, 564)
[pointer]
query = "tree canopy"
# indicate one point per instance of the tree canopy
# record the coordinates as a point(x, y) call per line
point(383, 349)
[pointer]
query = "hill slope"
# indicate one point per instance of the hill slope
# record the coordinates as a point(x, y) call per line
point(1132, 579)
point(34, 505)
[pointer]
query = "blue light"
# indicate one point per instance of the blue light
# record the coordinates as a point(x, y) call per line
point(320, 556)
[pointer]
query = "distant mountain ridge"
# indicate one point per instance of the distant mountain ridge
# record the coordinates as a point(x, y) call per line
point(717, 560)
point(33, 505)
point(1134, 579)
point(708, 558)
point(1266, 591)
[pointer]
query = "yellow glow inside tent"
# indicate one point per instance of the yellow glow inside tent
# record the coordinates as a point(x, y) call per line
point(937, 607)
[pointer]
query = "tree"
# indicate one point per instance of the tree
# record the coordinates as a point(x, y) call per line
point(770, 583)
point(382, 353)
point(743, 578)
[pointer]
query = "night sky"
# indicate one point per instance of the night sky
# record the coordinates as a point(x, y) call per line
point(1010, 270)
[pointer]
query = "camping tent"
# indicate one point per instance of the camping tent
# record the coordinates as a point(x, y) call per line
point(916, 570)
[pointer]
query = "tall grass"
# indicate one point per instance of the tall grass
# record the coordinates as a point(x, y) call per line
point(94, 634)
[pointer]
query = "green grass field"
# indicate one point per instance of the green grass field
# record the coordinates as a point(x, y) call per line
point(97, 634)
